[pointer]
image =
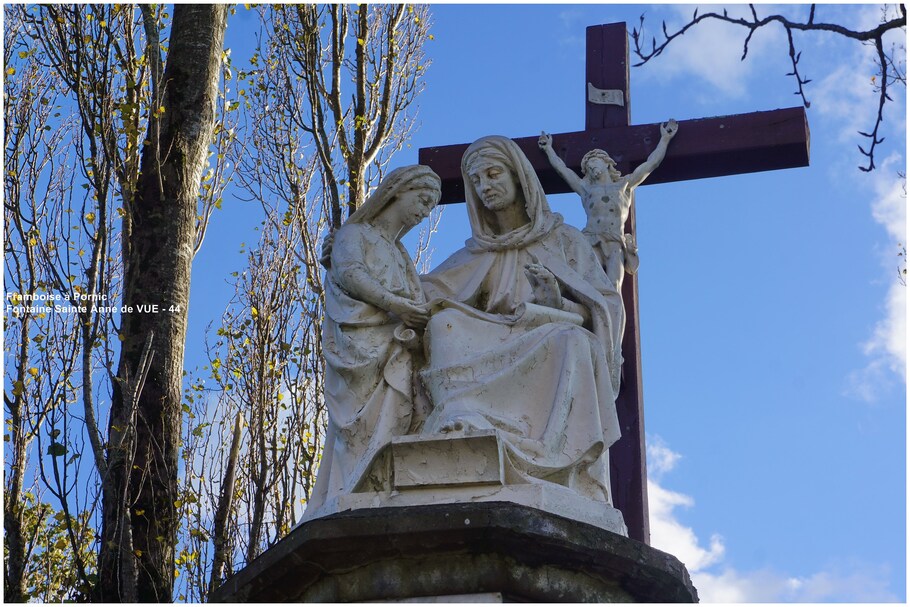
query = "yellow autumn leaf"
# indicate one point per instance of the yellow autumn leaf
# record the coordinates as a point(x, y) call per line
point(10, 71)
point(254, 312)
point(90, 217)
point(138, 553)
point(33, 371)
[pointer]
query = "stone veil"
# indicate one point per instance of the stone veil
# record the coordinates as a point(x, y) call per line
point(500, 361)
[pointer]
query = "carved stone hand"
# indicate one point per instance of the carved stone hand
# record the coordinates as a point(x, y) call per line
point(545, 142)
point(545, 285)
point(412, 314)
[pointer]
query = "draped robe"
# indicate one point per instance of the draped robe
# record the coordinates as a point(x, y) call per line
point(547, 388)
point(369, 368)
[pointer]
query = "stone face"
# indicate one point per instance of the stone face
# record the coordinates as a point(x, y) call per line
point(446, 550)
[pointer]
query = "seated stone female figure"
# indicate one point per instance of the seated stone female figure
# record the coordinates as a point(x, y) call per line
point(526, 343)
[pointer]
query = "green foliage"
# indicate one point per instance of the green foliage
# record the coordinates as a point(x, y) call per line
point(51, 572)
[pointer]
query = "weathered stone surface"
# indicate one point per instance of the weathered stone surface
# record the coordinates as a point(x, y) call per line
point(373, 302)
point(606, 196)
point(498, 369)
point(447, 461)
point(456, 468)
point(484, 597)
point(391, 554)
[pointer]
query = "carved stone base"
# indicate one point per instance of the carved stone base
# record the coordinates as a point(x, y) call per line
point(449, 460)
point(547, 498)
point(462, 468)
point(437, 553)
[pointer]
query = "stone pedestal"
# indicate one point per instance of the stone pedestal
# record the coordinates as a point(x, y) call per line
point(468, 552)
point(459, 468)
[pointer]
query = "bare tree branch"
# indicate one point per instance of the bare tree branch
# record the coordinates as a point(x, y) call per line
point(889, 70)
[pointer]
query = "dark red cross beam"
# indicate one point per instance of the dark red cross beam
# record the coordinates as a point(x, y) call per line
point(708, 147)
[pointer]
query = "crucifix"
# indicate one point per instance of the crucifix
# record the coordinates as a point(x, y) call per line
point(708, 147)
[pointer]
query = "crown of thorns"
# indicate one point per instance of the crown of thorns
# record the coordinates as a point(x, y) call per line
point(595, 154)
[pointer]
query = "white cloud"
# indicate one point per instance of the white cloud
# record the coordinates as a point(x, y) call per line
point(669, 535)
point(847, 96)
point(869, 383)
point(840, 584)
point(570, 25)
point(840, 69)
point(890, 205)
point(889, 208)
point(889, 338)
point(846, 102)
point(730, 586)
point(720, 582)
point(886, 348)
point(710, 52)
point(661, 458)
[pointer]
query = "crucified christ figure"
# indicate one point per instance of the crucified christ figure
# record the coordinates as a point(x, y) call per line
point(607, 198)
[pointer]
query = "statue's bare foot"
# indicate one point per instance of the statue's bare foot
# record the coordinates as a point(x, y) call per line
point(455, 425)
point(462, 423)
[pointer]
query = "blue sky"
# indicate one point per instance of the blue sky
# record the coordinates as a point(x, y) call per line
point(772, 320)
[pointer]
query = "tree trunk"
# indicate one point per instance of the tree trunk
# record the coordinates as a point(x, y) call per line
point(143, 492)
point(219, 533)
point(14, 587)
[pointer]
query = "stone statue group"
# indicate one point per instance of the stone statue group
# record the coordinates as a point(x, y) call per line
point(519, 333)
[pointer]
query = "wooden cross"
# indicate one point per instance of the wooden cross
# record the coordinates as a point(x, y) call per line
point(708, 147)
